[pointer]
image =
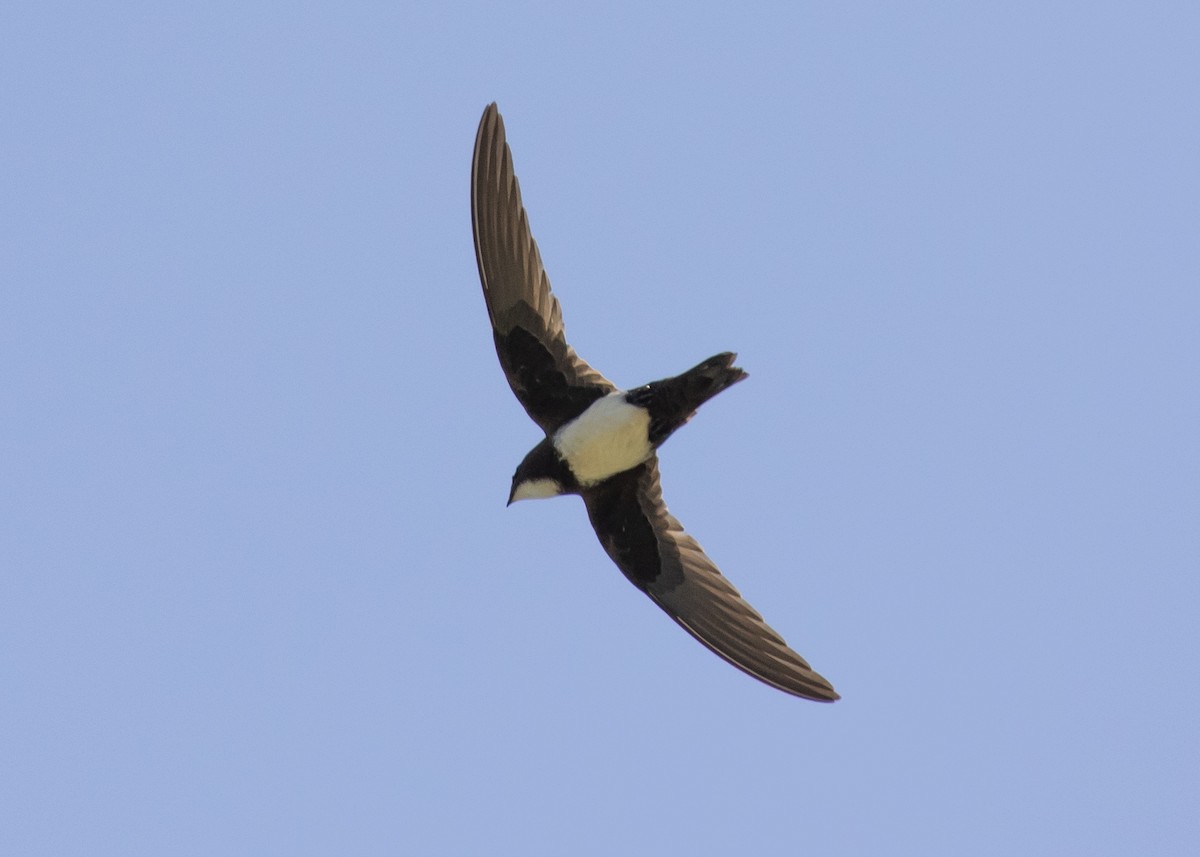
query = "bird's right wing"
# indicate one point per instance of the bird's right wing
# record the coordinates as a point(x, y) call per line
point(650, 546)
point(552, 382)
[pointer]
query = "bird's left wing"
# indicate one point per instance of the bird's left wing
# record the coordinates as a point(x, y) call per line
point(552, 382)
point(650, 546)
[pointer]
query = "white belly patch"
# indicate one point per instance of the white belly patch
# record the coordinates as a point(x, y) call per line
point(611, 436)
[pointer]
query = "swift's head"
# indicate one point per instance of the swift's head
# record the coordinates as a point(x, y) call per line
point(542, 474)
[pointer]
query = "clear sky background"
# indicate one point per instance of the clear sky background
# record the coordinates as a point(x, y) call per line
point(259, 592)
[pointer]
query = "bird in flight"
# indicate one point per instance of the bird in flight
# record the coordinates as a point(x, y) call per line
point(600, 440)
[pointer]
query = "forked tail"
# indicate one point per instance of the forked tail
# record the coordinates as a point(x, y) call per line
point(673, 401)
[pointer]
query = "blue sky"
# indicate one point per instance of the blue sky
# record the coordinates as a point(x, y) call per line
point(260, 593)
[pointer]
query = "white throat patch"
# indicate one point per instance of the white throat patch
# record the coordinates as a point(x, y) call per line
point(610, 437)
point(536, 489)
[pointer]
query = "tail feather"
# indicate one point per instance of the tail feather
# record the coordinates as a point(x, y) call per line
point(715, 374)
point(673, 401)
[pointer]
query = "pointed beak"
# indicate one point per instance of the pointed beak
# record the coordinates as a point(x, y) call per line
point(511, 491)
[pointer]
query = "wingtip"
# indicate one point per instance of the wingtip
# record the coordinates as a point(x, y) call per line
point(814, 687)
point(831, 694)
point(820, 690)
point(490, 120)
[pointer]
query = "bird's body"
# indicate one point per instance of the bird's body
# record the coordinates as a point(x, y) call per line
point(619, 431)
point(611, 436)
point(600, 441)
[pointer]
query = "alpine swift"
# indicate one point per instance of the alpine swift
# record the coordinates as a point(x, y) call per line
point(600, 440)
